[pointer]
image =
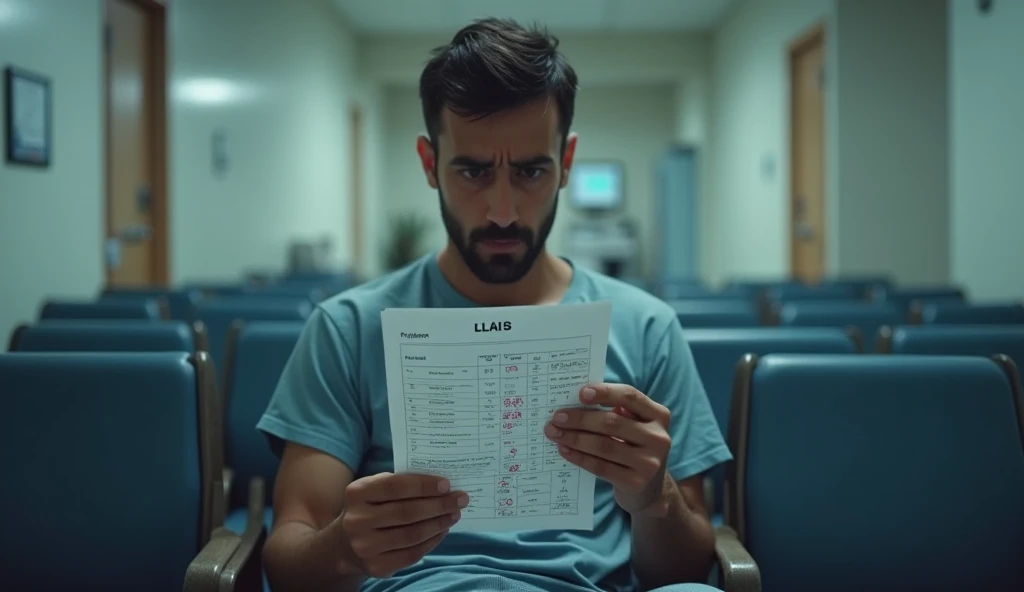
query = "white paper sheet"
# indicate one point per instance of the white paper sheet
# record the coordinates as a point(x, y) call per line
point(470, 391)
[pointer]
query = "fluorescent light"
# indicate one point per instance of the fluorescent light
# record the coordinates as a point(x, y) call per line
point(212, 91)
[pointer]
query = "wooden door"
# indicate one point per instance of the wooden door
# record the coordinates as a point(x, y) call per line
point(135, 249)
point(807, 157)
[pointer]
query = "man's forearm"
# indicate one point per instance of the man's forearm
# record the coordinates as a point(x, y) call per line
point(299, 557)
point(676, 548)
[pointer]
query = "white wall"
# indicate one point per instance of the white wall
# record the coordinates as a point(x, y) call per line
point(51, 225)
point(749, 201)
point(633, 123)
point(284, 79)
point(893, 139)
point(987, 127)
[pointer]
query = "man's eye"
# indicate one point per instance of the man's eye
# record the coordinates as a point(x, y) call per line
point(472, 173)
point(531, 172)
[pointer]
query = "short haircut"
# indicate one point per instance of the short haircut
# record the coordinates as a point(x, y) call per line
point(493, 65)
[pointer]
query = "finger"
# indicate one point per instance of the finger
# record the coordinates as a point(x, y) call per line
point(388, 487)
point(387, 564)
point(411, 511)
point(600, 446)
point(625, 396)
point(600, 421)
point(410, 535)
point(616, 474)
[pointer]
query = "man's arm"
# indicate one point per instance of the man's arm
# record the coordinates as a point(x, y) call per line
point(306, 548)
point(677, 547)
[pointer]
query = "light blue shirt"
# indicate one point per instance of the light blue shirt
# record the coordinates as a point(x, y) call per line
point(333, 397)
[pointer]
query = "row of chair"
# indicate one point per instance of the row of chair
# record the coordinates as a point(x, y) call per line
point(174, 476)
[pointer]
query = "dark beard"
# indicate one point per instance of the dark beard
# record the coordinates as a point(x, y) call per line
point(502, 268)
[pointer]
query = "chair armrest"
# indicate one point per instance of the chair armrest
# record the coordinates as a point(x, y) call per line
point(737, 571)
point(244, 571)
point(257, 503)
point(228, 475)
point(204, 573)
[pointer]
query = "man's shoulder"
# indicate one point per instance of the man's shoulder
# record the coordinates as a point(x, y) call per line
point(631, 306)
point(358, 308)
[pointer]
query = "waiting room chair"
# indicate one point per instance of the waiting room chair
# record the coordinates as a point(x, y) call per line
point(112, 475)
point(779, 295)
point(866, 318)
point(882, 473)
point(955, 340)
point(153, 309)
point(963, 313)
point(256, 356)
point(862, 285)
point(717, 352)
point(180, 302)
point(218, 314)
point(716, 313)
point(109, 336)
point(906, 297)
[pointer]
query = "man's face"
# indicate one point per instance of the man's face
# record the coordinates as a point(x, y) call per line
point(498, 180)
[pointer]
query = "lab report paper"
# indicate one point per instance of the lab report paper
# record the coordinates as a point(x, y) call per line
point(470, 391)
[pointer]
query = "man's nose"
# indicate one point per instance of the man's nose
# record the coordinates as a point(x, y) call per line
point(501, 204)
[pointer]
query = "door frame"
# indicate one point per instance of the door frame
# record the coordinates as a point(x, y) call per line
point(357, 187)
point(156, 19)
point(814, 35)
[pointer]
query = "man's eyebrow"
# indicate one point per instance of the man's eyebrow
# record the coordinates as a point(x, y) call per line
point(533, 161)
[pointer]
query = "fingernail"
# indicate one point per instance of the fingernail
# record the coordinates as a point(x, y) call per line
point(561, 417)
point(443, 486)
point(455, 517)
point(552, 431)
point(589, 394)
point(463, 501)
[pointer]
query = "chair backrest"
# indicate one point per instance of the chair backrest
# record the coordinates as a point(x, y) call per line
point(256, 355)
point(137, 309)
point(879, 472)
point(105, 336)
point(962, 313)
point(718, 351)
point(112, 469)
point(866, 317)
point(863, 285)
point(905, 297)
point(956, 340)
point(218, 314)
point(799, 293)
point(716, 313)
point(180, 302)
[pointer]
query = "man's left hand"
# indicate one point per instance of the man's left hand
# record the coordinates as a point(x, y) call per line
point(626, 444)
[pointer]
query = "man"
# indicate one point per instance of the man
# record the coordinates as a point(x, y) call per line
point(498, 104)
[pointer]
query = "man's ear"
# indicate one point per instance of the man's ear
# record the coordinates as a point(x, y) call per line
point(567, 156)
point(428, 159)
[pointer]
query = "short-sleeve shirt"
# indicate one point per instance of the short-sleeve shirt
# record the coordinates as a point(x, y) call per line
point(332, 397)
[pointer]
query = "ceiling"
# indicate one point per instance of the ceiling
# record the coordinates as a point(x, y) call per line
point(560, 16)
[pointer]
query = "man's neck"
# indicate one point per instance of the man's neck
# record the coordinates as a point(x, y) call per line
point(545, 283)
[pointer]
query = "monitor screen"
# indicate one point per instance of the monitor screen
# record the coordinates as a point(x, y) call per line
point(596, 185)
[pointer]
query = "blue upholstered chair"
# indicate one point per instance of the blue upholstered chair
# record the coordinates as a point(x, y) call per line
point(717, 353)
point(256, 355)
point(963, 313)
point(882, 473)
point(180, 302)
point(866, 317)
point(218, 314)
point(112, 475)
point(778, 295)
point(108, 336)
point(716, 313)
point(152, 309)
point(906, 297)
point(862, 285)
point(955, 340)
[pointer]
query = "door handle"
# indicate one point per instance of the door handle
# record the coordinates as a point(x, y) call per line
point(133, 234)
point(803, 231)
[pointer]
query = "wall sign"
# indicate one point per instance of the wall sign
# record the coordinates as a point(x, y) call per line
point(27, 108)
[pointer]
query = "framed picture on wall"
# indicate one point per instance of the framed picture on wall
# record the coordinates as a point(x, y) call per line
point(27, 108)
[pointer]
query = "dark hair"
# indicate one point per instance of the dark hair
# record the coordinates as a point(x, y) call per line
point(493, 65)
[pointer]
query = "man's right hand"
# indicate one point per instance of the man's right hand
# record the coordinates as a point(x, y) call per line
point(391, 521)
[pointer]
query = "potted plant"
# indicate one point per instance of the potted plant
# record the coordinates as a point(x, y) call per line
point(404, 241)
